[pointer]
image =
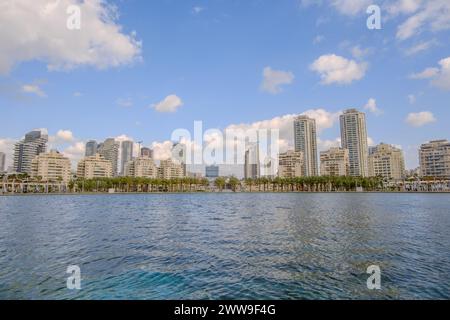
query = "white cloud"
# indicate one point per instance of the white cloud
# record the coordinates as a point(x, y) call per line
point(170, 103)
point(337, 69)
point(33, 89)
point(324, 145)
point(421, 15)
point(433, 15)
point(426, 74)
point(351, 7)
point(359, 53)
point(440, 77)
point(273, 80)
point(77, 94)
point(197, 9)
point(75, 152)
point(422, 46)
point(162, 150)
point(37, 31)
point(420, 119)
point(65, 135)
point(371, 105)
point(7, 147)
point(403, 6)
point(318, 39)
point(412, 98)
point(126, 103)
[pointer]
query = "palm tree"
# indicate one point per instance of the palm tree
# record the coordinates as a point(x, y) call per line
point(220, 183)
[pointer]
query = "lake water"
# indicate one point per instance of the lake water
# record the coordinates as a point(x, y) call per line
point(225, 246)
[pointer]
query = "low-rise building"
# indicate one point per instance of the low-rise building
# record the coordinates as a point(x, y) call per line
point(335, 162)
point(94, 167)
point(387, 161)
point(51, 167)
point(290, 164)
point(435, 159)
point(142, 167)
point(170, 170)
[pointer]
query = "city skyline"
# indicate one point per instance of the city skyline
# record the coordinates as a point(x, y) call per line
point(401, 79)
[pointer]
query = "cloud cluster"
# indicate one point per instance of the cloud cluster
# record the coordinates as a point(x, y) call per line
point(171, 103)
point(336, 69)
point(273, 80)
point(420, 119)
point(432, 15)
point(371, 106)
point(44, 36)
point(440, 77)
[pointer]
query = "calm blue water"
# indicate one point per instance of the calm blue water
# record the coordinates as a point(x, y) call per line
point(225, 246)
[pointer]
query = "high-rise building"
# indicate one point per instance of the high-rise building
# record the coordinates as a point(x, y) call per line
point(94, 167)
point(170, 170)
point(435, 159)
point(387, 161)
point(305, 141)
point(142, 167)
point(146, 152)
point(91, 148)
point(354, 138)
point(252, 162)
point(110, 151)
point(334, 162)
point(212, 171)
point(291, 164)
point(2, 162)
point(34, 143)
point(127, 154)
point(51, 167)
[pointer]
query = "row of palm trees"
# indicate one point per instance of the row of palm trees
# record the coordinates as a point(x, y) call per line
point(188, 184)
point(134, 184)
point(314, 184)
point(191, 184)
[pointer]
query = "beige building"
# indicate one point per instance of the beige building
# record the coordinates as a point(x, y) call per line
point(334, 162)
point(51, 167)
point(94, 167)
point(170, 170)
point(290, 164)
point(354, 138)
point(386, 161)
point(143, 167)
point(435, 159)
point(305, 141)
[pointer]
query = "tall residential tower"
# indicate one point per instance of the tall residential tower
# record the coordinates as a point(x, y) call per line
point(305, 141)
point(34, 143)
point(354, 138)
point(110, 151)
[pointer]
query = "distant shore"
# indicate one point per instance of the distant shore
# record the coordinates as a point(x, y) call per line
point(216, 192)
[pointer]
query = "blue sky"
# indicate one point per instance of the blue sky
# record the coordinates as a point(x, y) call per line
point(210, 57)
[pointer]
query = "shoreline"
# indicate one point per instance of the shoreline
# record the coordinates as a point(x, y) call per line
point(218, 192)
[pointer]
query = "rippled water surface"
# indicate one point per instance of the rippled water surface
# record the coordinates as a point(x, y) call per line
point(225, 246)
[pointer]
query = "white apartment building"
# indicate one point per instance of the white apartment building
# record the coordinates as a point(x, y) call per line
point(334, 162)
point(143, 167)
point(305, 141)
point(94, 167)
point(290, 164)
point(434, 159)
point(170, 170)
point(51, 167)
point(387, 161)
point(354, 138)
